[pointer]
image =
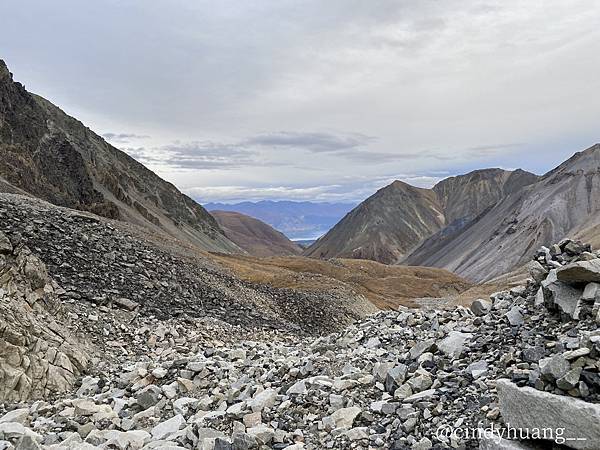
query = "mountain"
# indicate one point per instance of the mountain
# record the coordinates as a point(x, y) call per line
point(384, 227)
point(464, 197)
point(563, 203)
point(254, 236)
point(297, 220)
point(390, 224)
point(50, 155)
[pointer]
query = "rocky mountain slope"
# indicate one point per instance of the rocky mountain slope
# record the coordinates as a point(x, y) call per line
point(112, 264)
point(409, 379)
point(563, 203)
point(390, 224)
point(52, 156)
point(254, 236)
point(384, 227)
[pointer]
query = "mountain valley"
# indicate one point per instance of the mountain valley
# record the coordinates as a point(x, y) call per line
point(132, 318)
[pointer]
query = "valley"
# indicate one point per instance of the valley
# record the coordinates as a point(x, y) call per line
point(133, 318)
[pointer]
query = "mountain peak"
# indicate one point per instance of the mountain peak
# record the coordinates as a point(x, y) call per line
point(580, 161)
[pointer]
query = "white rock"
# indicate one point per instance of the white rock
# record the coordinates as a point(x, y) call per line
point(168, 427)
point(529, 408)
point(344, 417)
point(17, 415)
point(262, 400)
point(454, 344)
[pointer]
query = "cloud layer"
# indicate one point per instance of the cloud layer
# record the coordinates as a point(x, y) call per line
point(290, 94)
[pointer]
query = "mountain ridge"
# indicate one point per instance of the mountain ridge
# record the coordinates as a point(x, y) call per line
point(564, 202)
point(387, 228)
point(298, 220)
point(53, 156)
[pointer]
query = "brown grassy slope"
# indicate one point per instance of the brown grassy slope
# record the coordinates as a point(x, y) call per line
point(255, 236)
point(385, 286)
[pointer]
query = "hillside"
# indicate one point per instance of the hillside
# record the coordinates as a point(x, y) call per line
point(387, 287)
point(563, 203)
point(391, 223)
point(52, 156)
point(254, 236)
point(297, 220)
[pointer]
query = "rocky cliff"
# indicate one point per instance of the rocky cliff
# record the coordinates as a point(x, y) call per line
point(51, 155)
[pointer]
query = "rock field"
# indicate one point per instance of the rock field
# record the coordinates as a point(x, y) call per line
point(83, 366)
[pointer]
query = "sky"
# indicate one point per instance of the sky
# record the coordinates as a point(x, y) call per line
point(316, 100)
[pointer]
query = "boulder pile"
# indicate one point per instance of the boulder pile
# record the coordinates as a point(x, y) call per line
point(407, 379)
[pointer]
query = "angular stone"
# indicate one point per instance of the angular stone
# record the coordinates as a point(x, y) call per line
point(580, 272)
point(529, 408)
point(149, 396)
point(420, 382)
point(554, 367)
point(395, 377)
point(591, 293)
point(514, 316)
point(126, 303)
point(27, 443)
point(357, 434)
point(16, 415)
point(262, 433)
point(534, 354)
point(168, 427)
point(5, 245)
point(299, 388)
point(421, 347)
point(404, 391)
point(570, 380)
point(262, 400)
point(454, 344)
point(562, 297)
point(420, 396)
point(477, 369)
point(344, 417)
point(537, 271)
point(481, 307)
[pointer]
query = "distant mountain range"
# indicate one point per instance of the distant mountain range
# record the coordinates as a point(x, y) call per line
point(297, 220)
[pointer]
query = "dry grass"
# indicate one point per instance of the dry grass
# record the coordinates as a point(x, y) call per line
point(385, 286)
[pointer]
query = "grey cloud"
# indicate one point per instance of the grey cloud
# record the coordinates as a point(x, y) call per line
point(492, 149)
point(355, 190)
point(123, 138)
point(196, 155)
point(317, 142)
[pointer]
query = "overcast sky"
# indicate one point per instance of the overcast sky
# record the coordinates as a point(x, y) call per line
point(316, 100)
